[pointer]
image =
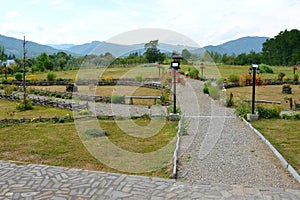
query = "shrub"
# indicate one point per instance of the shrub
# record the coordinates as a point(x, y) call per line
point(220, 82)
point(117, 99)
point(96, 132)
point(296, 77)
point(205, 90)
point(207, 83)
point(230, 101)
point(32, 78)
point(269, 113)
point(246, 79)
point(243, 109)
point(50, 76)
point(266, 69)
point(59, 79)
point(18, 76)
point(234, 78)
point(193, 73)
point(20, 106)
point(214, 92)
point(280, 76)
point(139, 78)
point(4, 81)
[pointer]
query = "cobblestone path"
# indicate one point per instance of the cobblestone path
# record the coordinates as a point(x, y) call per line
point(48, 182)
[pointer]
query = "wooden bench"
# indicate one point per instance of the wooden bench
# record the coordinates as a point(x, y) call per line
point(262, 101)
point(142, 97)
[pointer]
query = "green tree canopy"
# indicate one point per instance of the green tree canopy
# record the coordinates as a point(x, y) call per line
point(152, 53)
point(283, 49)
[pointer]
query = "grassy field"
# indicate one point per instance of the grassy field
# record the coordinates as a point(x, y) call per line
point(284, 135)
point(8, 107)
point(270, 92)
point(60, 145)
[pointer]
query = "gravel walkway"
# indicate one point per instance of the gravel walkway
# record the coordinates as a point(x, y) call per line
point(219, 148)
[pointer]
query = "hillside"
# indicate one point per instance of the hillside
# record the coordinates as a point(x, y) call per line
point(241, 45)
point(15, 46)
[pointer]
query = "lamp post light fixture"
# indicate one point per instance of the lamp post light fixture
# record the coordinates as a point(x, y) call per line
point(175, 66)
point(253, 69)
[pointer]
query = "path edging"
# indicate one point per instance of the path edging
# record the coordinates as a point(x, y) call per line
point(292, 171)
point(175, 155)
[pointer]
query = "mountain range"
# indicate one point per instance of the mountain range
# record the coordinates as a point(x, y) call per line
point(14, 46)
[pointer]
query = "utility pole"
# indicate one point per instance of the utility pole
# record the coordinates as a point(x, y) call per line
point(24, 71)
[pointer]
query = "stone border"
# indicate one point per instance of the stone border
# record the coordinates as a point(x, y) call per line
point(279, 156)
point(175, 155)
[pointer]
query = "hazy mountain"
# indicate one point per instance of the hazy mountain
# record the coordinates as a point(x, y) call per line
point(15, 46)
point(61, 46)
point(241, 45)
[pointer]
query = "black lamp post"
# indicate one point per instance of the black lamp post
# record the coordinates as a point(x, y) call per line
point(175, 65)
point(255, 69)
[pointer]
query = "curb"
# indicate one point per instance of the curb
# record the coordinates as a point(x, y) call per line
point(285, 164)
point(175, 155)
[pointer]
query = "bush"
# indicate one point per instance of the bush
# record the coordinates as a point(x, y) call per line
point(51, 76)
point(139, 78)
point(269, 113)
point(294, 116)
point(214, 92)
point(4, 81)
point(117, 99)
point(205, 90)
point(59, 79)
point(96, 132)
point(243, 109)
point(207, 83)
point(32, 78)
point(296, 77)
point(234, 78)
point(18, 76)
point(265, 69)
point(21, 107)
point(193, 73)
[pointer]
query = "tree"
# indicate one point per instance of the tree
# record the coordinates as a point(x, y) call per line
point(44, 62)
point(3, 59)
point(283, 49)
point(152, 53)
point(186, 54)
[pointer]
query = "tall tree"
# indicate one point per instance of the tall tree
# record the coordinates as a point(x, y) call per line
point(152, 53)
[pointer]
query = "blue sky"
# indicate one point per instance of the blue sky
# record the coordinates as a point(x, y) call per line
point(205, 22)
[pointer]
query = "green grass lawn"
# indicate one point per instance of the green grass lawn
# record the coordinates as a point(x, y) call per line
point(8, 107)
point(269, 92)
point(284, 135)
point(60, 145)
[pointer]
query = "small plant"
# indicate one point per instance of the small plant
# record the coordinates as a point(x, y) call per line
point(51, 76)
point(243, 109)
point(280, 76)
point(20, 106)
point(32, 78)
point(220, 82)
point(59, 79)
point(117, 99)
point(230, 101)
point(207, 83)
point(170, 109)
point(286, 89)
point(108, 78)
point(184, 125)
point(139, 78)
point(246, 79)
point(234, 78)
point(18, 76)
point(296, 77)
point(214, 92)
point(205, 90)
point(96, 132)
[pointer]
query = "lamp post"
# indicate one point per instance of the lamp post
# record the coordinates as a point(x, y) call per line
point(175, 65)
point(255, 69)
point(202, 73)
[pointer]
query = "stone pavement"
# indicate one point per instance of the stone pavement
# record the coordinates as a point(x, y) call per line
point(34, 181)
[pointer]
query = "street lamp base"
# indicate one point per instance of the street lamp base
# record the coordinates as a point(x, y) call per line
point(174, 117)
point(252, 117)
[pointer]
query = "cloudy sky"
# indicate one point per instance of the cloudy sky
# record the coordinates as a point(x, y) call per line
point(204, 21)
